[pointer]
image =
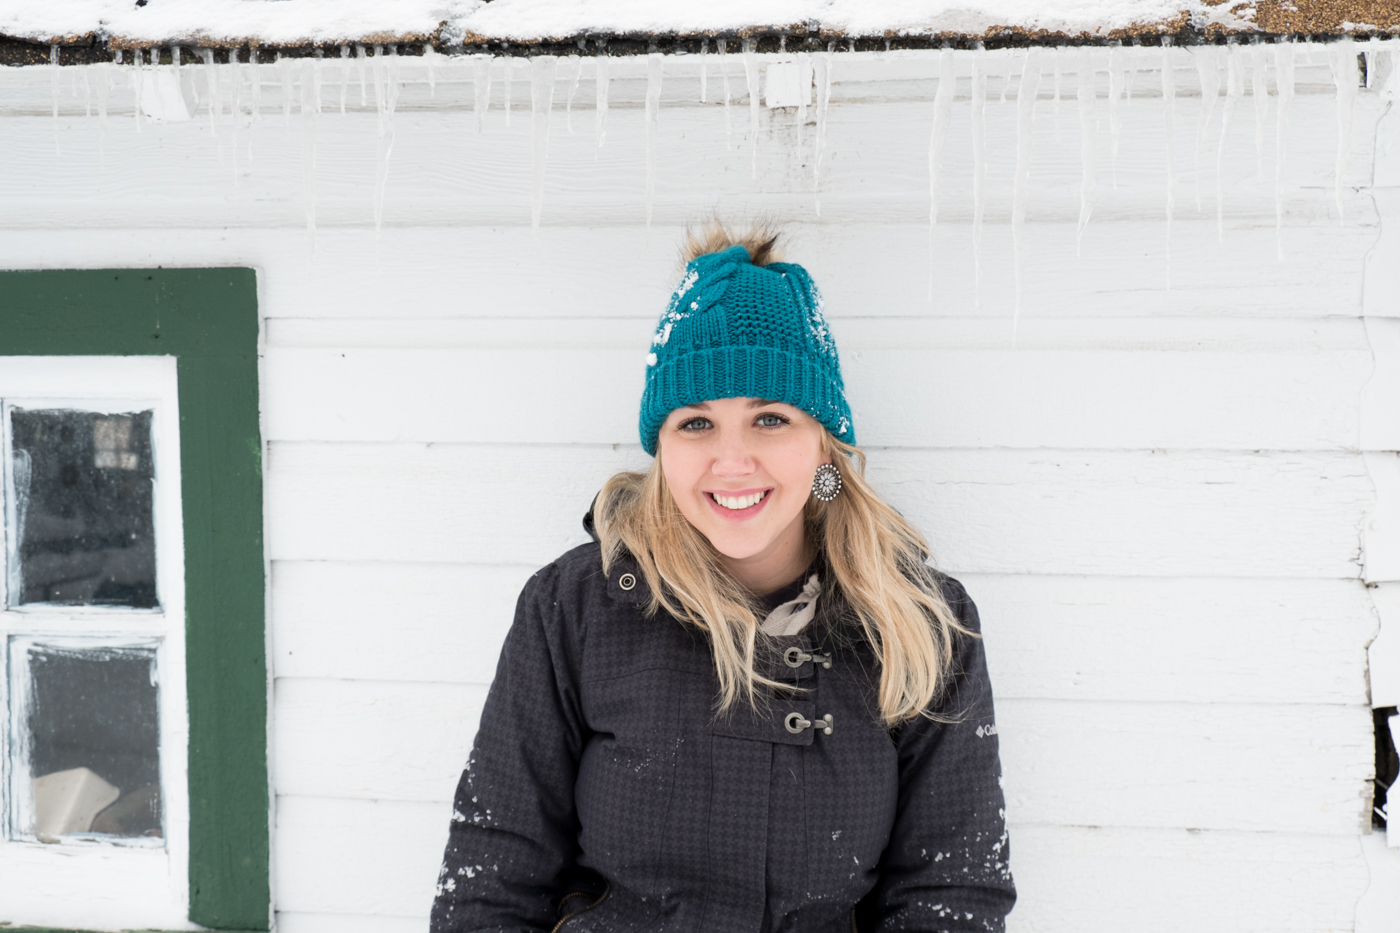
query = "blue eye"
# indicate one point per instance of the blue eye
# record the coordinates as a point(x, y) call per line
point(770, 420)
point(694, 424)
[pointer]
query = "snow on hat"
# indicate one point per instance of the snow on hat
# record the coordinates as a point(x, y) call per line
point(737, 330)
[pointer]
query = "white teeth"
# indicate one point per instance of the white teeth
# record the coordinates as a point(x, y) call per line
point(738, 502)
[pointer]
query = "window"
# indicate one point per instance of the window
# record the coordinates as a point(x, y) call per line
point(133, 775)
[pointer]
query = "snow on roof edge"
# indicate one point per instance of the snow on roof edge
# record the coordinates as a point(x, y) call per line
point(451, 24)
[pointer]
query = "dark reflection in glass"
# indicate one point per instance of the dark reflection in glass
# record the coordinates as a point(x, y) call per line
point(83, 497)
point(94, 741)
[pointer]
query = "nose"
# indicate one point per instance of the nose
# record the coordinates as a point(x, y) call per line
point(733, 459)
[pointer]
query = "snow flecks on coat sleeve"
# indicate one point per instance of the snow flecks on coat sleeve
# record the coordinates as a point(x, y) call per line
point(947, 866)
point(514, 829)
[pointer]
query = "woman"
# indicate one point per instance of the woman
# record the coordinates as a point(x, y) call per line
point(748, 705)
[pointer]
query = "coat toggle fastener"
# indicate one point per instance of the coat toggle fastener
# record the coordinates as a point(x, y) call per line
point(795, 723)
point(796, 657)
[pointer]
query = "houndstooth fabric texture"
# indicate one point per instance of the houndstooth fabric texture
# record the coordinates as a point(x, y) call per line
point(732, 330)
point(603, 790)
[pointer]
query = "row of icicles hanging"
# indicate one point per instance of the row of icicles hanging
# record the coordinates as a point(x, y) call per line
point(1241, 64)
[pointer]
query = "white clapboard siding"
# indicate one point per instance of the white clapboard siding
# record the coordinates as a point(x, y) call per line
point(1296, 399)
point(1101, 512)
point(1048, 637)
point(381, 858)
point(1175, 640)
point(1072, 879)
point(391, 621)
point(1065, 762)
point(367, 857)
point(375, 739)
point(289, 922)
point(876, 155)
point(472, 270)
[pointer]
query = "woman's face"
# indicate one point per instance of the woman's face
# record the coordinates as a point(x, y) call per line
point(740, 470)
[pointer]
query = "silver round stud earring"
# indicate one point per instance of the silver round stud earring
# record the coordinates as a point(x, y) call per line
point(827, 483)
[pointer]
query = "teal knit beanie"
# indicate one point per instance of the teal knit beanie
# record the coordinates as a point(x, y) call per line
point(736, 330)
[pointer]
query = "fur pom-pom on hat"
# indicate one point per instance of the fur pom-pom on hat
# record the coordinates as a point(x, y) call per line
point(743, 324)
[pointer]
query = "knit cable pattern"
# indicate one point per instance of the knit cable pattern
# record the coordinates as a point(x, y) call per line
point(733, 329)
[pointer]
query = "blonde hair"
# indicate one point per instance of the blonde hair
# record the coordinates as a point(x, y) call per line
point(876, 560)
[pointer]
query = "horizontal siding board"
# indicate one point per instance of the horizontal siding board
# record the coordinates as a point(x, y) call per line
point(403, 622)
point(1108, 880)
point(1071, 763)
point(463, 270)
point(1105, 399)
point(875, 165)
point(373, 739)
point(1151, 513)
point(290, 922)
point(1048, 637)
point(1176, 640)
point(357, 857)
point(365, 858)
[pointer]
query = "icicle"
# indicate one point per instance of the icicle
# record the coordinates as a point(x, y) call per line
point(804, 84)
point(430, 56)
point(104, 88)
point(1283, 77)
point(600, 81)
point(87, 94)
point(1169, 108)
point(1346, 79)
point(1088, 143)
point(381, 92)
point(1115, 91)
point(284, 71)
point(137, 79)
point(1059, 54)
point(724, 74)
point(573, 89)
point(704, 72)
point(1208, 70)
point(542, 73)
point(942, 115)
point(386, 95)
point(1010, 70)
point(509, 62)
point(1260, 89)
point(1025, 112)
point(1234, 89)
point(653, 108)
point(54, 71)
point(481, 87)
point(256, 69)
point(344, 74)
point(211, 85)
point(310, 107)
point(979, 163)
point(751, 76)
point(237, 111)
point(1373, 48)
point(823, 82)
point(361, 57)
point(1130, 72)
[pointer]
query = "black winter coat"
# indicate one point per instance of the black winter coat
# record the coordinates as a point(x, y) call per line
point(603, 793)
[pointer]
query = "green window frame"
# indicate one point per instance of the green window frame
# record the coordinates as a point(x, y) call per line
point(208, 320)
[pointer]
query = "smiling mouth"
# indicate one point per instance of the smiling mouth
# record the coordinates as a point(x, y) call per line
point(738, 503)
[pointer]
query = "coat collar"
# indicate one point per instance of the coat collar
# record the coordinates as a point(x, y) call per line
point(625, 581)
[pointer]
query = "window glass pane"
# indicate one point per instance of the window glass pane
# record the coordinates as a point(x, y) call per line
point(93, 741)
point(83, 497)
